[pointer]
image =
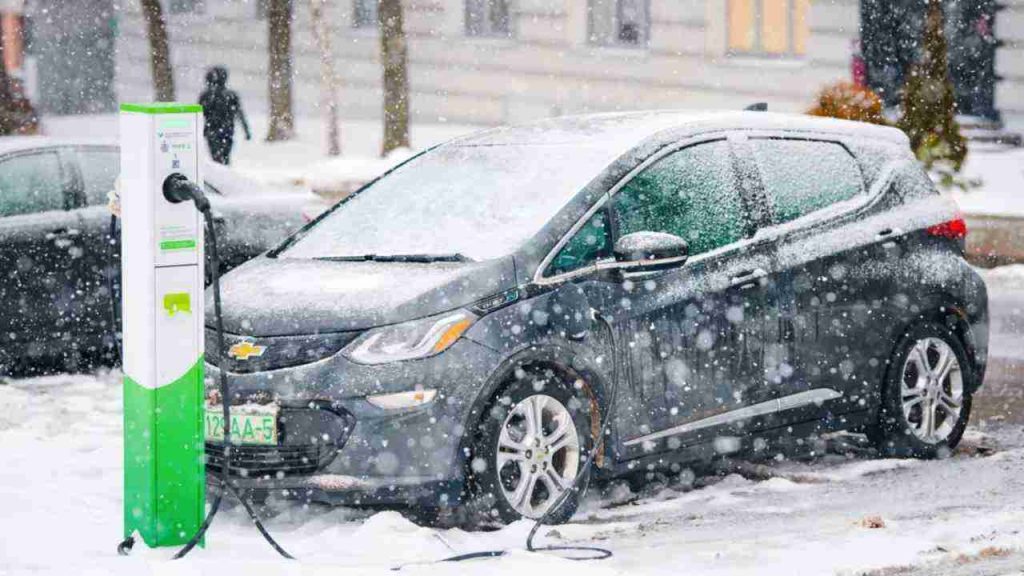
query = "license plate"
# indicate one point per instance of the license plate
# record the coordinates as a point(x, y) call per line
point(248, 426)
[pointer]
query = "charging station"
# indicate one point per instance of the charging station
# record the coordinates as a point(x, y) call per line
point(162, 325)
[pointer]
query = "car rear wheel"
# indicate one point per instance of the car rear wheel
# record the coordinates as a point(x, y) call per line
point(529, 448)
point(926, 401)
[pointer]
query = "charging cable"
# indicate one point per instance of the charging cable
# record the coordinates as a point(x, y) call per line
point(177, 188)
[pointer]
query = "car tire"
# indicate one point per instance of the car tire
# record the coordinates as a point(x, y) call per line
point(926, 396)
point(506, 451)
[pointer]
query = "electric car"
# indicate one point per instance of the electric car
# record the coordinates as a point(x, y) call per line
point(56, 251)
point(648, 290)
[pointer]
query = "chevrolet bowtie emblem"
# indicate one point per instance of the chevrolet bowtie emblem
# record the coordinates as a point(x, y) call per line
point(245, 350)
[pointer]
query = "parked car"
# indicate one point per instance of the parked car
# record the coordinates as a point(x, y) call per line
point(56, 251)
point(452, 335)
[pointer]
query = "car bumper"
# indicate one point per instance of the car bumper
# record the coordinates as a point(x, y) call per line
point(337, 447)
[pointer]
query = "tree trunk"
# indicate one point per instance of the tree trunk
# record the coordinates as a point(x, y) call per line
point(5, 84)
point(396, 75)
point(159, 51)
point(279, 42)
point(328, 78)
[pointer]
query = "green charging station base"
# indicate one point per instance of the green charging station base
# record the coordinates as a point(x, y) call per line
point(164, 477)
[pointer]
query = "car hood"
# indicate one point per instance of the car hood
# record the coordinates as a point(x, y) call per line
point(286, 296)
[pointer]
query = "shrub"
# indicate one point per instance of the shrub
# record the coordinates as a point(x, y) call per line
point(849, 101)
point(17, 117)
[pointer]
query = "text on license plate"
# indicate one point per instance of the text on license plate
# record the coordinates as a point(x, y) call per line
point(245, 428)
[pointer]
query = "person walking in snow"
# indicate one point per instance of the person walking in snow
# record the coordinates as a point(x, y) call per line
point(220, 108)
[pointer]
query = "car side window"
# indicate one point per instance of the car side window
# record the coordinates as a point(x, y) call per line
point(692, 193)
point(100, 168)
point(31, 183)
point(803, 176)
point(591, 243)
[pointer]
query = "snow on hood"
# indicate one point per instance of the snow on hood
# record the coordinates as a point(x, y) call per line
point(277, 297)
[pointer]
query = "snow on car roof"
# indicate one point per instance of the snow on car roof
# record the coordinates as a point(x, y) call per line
point(624, 129)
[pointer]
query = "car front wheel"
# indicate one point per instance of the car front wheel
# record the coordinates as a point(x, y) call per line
point(529, 449)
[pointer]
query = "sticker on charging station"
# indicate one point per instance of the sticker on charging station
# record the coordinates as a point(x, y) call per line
point(178, 225)
point(179, 244)
point(177, 238)
point(254, 425)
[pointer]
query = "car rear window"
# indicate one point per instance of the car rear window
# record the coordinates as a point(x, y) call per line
point(913, 182)
point(804, 176)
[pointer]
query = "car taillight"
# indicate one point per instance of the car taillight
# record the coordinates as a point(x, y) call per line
point(955, 229)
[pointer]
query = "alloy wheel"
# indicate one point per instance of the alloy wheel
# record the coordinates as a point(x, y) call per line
point(538, 454)
point(932, 390)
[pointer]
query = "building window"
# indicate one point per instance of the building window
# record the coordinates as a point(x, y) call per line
point(186, 6)
point(768, 27)
point(618, 22)
point(364, 13)
point(488, 18)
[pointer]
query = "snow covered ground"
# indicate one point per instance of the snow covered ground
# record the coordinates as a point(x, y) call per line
point(1001, 173)
point(843, 512)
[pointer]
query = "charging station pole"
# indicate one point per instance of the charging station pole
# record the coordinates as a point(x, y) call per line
point(162, 326)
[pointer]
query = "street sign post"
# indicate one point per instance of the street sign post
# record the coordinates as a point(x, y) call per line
point(162, 287)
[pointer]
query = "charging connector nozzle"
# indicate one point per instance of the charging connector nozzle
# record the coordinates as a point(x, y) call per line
point(178, 188)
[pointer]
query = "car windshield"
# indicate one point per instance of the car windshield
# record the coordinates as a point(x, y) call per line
point(456, 202)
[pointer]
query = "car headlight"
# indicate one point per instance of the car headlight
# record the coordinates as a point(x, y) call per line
point(410, 340)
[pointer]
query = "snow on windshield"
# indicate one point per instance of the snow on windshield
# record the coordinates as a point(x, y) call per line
point(478, 201)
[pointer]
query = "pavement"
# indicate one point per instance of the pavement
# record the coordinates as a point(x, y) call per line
point(1001, 398)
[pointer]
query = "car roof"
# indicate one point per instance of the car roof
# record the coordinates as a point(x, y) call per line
point(24, 143)
point(625, 129)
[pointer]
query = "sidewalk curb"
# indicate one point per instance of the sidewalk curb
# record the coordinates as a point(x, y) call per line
point(995, 240)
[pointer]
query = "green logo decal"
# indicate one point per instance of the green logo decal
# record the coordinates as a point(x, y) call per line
point(187, 244)
point(175, 302)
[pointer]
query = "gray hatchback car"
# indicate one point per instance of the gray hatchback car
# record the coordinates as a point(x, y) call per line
point(451, 336)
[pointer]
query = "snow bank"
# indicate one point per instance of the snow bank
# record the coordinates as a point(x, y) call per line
point(1012, 274)
point(1001, 172)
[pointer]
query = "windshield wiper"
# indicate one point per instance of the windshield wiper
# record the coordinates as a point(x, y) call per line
point(423, 258)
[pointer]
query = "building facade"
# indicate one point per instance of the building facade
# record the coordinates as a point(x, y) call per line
point(498, 61)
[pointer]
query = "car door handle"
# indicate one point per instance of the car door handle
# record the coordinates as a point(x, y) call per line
point(889, 234)
point(748, 278)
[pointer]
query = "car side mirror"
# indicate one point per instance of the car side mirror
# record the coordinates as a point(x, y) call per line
point(650, 251)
